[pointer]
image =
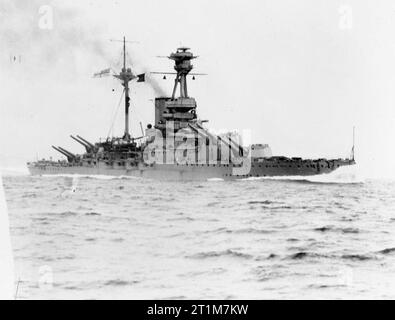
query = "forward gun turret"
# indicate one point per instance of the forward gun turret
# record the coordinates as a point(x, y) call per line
point(70, 156)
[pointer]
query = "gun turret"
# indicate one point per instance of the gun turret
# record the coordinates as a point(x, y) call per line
point(70, 157)
point(87, 146)
point(87, 142)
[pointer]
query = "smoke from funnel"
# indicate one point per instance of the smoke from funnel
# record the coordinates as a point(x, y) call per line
point(159, 91)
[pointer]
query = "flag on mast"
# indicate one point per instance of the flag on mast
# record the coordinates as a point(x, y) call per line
point(103, 73)
point(141, 77)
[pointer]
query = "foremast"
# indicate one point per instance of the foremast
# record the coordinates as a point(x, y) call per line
point(126, 76)
point(182, 64)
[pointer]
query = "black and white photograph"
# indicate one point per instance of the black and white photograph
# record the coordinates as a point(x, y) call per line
point(197, 150)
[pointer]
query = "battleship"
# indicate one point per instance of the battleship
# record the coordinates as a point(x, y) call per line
point(178, 146)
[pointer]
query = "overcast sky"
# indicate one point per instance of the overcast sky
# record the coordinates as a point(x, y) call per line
point(299, 74)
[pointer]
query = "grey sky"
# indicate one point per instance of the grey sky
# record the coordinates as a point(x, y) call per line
point(299, 74)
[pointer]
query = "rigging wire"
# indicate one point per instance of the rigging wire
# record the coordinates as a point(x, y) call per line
point(115, 115)
point(135, 110)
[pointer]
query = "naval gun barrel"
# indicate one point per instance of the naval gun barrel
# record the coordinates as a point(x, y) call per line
point(87, 142)
point(68, 156)
point(60, 151)
point(87, 146)
point(71, 155)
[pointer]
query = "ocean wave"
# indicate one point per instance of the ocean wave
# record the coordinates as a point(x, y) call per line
point(387, 251)
point(68, 214)
point(66, 257)
point(88, 285)
point(71, 287)
point(181, 219)
point(45, 258)
point(300, 255)
point(336, 229)
point(63, 234)
point(216, 254)
point(29, 195)
point(325, 286)
point(119, 282)
point(342, 175)
point(49, 215)
point(248, 231)
point(306, 254)
point(40, 219)
point(260, 202)
point(350, 230)
point(218, 230)
point(93, 214)
point(357, 257)
point(175, 298)
point(281, 207)
point(213, 204)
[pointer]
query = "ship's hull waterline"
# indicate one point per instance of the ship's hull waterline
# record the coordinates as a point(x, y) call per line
point(258, 168)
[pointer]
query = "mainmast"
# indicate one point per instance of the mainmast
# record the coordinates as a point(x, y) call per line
point(125, 76)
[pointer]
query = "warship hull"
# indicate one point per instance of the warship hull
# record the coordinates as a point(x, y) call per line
point(177, 146)
point(258, 168)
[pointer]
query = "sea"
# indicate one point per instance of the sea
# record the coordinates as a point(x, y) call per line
point(97, 237)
